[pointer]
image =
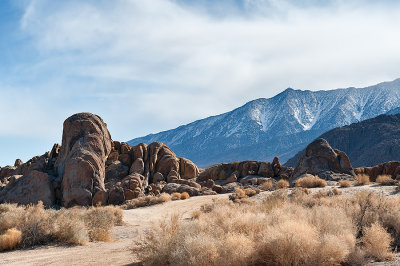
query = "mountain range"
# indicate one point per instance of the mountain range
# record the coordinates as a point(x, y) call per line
point(367, 143)
point(279, 126)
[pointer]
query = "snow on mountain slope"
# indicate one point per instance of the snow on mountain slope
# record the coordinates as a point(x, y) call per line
point(278, 126)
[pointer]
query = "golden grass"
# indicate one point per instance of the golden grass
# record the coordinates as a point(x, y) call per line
point(176, 196)
point(184, 195)
point(376, 241)
point(74, 226)
point(310, 181)
point(267, 185)
point(146, 201)
point(385, 180)
point(10, 239)
point(345, 183)
point(282, 183)
point(362, 180)
point(294, 229)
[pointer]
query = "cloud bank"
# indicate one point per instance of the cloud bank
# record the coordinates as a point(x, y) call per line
point(147, 66)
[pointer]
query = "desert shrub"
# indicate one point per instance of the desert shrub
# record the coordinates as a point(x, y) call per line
point(376, 242)
point(10, 239)
point(176, 196)
point(74, 226)
point(196, 214)
point(362, 180)
point(385, 180)
point(286, 234)
point(99, 223)
point(267, 185)
point(282, 183)
point(184, 195)
point(251, 192)
point(310, 181)
point(70, 228)
point(146, 201)
point(344, 183)
point(336, 191)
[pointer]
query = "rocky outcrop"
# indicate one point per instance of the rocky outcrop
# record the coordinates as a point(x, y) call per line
point(31, 188)
point(322, 160)
point(389, 168)
point(229, 172)
point(86, 143)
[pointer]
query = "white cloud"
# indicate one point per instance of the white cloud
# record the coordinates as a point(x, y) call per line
point(147, 66)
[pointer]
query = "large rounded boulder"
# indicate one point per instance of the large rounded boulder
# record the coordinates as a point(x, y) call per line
point(322, 160)
point(86, 143)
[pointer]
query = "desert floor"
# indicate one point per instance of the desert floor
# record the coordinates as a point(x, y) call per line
point(137, 221)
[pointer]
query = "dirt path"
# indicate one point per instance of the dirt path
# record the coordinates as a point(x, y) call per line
point(107, 253)
point(137, 220)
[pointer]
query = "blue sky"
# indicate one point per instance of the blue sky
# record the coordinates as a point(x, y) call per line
point(147, 66)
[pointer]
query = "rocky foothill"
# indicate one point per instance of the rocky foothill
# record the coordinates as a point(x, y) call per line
point(89, 168)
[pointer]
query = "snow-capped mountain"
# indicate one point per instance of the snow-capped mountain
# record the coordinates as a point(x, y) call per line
point(279, 126)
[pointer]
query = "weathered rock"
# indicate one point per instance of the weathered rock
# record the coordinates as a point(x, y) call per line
point(113, 156)
point(30, 188)
point(172, 176)
point(219, 189)
point(18, 162)
point(321, 158)
point(187, 169)
point(116, 196)
point(389, 168)
point(125, 159)
point(190, 183)
point(100, 198)
point(7, 171)
point(129, 194)
point(116, 170)
point(86, 144)
point(232, 178)
point(125, 148)
point(137, 166)
point(265, 170)
point(173, 187)
point(223, 171)
point(249, 180)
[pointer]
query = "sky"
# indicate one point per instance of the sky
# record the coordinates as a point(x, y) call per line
point(149, 66)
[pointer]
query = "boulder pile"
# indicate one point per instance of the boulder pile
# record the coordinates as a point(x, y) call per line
point(322, 160)
point(89, 168)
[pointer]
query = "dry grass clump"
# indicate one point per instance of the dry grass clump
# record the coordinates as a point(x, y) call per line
point(377, 241)
point(362, 180)
point(310, 181)
point(10, 239)
point(336, 191)
point(184, 195)
point(294, 229)
point(180, 196)
point(385, 180)
point(176, 196)
point(146, 201)
point(344, 183)
point(267, 185)
point(74, 226)
point(242, 195)
point(282, 183)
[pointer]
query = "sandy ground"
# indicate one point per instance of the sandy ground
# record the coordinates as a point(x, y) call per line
point(119, 251)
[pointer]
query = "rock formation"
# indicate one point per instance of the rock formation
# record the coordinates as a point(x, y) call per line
point(86, 143)
point(228, 172)
point(322, 160)
point(30, 188)
point(389, 168)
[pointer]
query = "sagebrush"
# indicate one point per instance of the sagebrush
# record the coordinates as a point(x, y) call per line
point(294, 229)
point(24, 226)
